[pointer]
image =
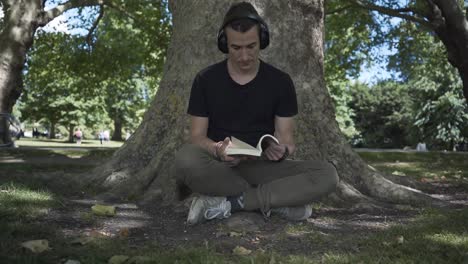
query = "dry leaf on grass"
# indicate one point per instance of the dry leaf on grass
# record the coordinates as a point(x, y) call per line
point(241, 251)
point(72, 261)
point(36, 246)
point(118, 259)
point(235, 234)
point(400, 239)
point(100, 234)
point(139, 260)
point(103, 210)
point(124, 232)
point(81, 240)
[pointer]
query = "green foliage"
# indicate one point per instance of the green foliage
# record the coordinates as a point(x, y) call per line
point(429, 105)
point(440, 112)
point(381, 114)
point(55, 91)
point(111, 77)
point(129, 54)
point(347, 48)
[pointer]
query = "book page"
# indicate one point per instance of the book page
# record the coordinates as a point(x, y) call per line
point(259, 145)
point(239, 147)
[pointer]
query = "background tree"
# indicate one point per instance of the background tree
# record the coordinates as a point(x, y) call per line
point(142, 166)
point(382, 114)
point(118, 66)
point(60, 94)
point(348, 47)
point(414, 59)
point(444, 18)
point(129, 55)
point(22, 18)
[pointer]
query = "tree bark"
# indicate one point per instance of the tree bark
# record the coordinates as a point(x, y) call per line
point(16, 38)
point(117, 135)
point(52, 130)
point(143, 166)
point(70, 133)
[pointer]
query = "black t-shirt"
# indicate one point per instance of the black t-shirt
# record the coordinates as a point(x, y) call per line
point(244, 111)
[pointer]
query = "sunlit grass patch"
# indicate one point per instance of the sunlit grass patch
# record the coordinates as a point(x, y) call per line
point(433, 237)
point(428, 165)
point(18, 201)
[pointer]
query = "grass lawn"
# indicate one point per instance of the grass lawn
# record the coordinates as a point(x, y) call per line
point(63, 143)
point(33, 209)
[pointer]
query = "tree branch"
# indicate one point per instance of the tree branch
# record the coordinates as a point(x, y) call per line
point(95, 24)
point(338, 10)
point(49, 15)
point(394, 12)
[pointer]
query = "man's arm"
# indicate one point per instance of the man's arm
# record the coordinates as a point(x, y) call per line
point(284, 132)
point(198, 136)
point(198, 132)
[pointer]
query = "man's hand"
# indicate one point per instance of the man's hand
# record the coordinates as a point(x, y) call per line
point(220, 152)
point(276, 152)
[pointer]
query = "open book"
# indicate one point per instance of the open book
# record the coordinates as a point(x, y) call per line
point(239, 147)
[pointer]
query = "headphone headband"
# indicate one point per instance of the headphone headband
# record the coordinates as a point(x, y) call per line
point(241, 11)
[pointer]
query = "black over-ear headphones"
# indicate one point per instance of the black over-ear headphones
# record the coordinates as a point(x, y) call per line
point(240, 11)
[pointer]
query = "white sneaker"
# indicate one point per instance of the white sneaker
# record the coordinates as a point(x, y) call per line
point(296, 213)
point(207, 208)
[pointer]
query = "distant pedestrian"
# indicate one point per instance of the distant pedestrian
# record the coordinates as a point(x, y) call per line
point(106, 135)
point(78, 135)
point(101, 136)
point(421, 146)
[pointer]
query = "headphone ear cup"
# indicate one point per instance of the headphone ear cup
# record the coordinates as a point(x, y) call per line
point(264, 36)
point(222, 42)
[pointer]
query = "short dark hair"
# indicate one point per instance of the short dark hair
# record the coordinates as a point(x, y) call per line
point(243, 24)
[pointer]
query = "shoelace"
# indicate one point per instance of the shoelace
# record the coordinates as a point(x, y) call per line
point(223, 210)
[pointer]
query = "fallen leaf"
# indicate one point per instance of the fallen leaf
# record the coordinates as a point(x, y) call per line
point(72, 261)
point(241, 251)
point(139, 260)
point(36, 246)
point(81, 240)
point(235, 234)
point(99, 234)
point(103, 210)
point(118, 259)
point(124, 232)
point(400, 239)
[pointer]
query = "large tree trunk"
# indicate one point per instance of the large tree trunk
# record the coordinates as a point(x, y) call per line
point(15, 40)
point(143, 165)
point(449, 23)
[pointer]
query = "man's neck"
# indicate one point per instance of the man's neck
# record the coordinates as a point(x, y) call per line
point(242, 77)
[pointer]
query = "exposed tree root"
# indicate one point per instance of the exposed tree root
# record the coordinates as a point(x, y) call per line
point(388, 191)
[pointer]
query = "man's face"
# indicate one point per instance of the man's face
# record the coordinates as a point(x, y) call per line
point(243, 48)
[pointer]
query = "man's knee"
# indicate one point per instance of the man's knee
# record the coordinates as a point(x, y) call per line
point(187, 157)
point(326, 171)
point(332, 176)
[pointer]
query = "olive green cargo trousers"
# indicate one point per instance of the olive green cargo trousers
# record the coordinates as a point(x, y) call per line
point(264, 184)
